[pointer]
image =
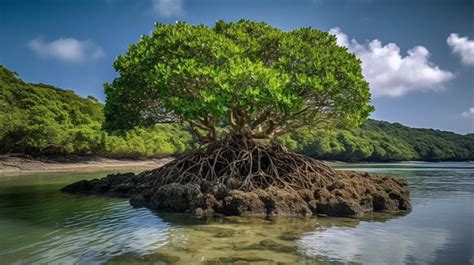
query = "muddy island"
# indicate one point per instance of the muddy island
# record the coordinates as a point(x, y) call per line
point(268, 181)
point(239, 87)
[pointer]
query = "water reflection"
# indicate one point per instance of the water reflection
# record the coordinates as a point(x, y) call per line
point(366, 243)
point(417, 238)
point(90, 236)
point(239, 240)
point(39, 224)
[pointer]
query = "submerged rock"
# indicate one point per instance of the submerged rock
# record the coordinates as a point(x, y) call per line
point(133, 258)
point(268, 244)
point(239, 260)
point(289, 236)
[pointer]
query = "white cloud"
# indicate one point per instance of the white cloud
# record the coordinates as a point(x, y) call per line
point(168, 8)
point(468, 113)
point(365, 245)
point(462, 47)
point(389, 73)
point(67, 49)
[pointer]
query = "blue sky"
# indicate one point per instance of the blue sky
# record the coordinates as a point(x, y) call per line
point(418, 56)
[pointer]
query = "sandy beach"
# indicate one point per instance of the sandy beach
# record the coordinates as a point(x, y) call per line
point(20, 164)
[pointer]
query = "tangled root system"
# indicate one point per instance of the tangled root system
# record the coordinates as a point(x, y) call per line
point(246, 165)
point(237, 177)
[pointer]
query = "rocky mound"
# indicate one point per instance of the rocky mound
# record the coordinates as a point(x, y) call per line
point(252, 180)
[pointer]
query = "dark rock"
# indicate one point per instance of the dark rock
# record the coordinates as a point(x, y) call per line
point(341, 194)
point(137, 200)
point(381, 202)
point(339, 207)
point(233, 183)
point(268, 244)
point(132, 258)
point(238, 260)
point(225, 234)
point(199, 212)
point(242, 203)
point(289, 236)
point(287, 204)
point(366, 202)
point(220, 191)
point(82, 186)
point(306, 194)
point(120, 185)
point(217, 231)
point(313, 205)
point(175, 197)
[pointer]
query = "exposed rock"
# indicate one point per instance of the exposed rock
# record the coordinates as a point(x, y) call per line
point(345, 194)
point(176, 197)
point(137, 200)
point(287, 204)
point(242, 203)
point(82, 186)
point(121, 185)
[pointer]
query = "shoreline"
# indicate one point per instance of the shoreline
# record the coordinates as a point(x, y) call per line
point(21, 164)
point(18, 164)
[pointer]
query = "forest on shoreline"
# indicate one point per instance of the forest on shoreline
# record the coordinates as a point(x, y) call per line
point(42, 120)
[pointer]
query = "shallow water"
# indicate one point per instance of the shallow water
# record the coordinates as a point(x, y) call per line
point(39, 224)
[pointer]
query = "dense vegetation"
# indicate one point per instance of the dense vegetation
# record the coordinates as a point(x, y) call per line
point(39, 119)
point(257, 81)
point(384, 141)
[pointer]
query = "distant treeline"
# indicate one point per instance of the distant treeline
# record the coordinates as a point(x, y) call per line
point(43, 120)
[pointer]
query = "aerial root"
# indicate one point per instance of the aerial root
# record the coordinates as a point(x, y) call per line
point(236, 177)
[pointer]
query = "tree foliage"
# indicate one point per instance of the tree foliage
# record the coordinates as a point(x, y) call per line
point(42, 120)
point(255, 80)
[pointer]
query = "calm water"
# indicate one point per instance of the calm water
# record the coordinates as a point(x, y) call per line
point(39, 224)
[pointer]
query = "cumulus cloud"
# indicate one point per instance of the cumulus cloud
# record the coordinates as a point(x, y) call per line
point(364, 244)
point(168, 8)
point(468, 114)
point(67, 49)
point(462, 47)
point(391, 74)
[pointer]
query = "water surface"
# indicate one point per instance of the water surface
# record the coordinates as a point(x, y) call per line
point(39, 224)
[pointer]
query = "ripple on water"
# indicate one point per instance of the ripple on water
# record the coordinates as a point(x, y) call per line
point(44, 226)
point(94, 236)
point(436, 232)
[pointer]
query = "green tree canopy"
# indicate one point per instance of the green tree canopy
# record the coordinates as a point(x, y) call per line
point(258, 81)
point(42, 120)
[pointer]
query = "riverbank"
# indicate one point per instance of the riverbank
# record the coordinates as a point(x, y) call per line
point(17, 164)
point(20, 164)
